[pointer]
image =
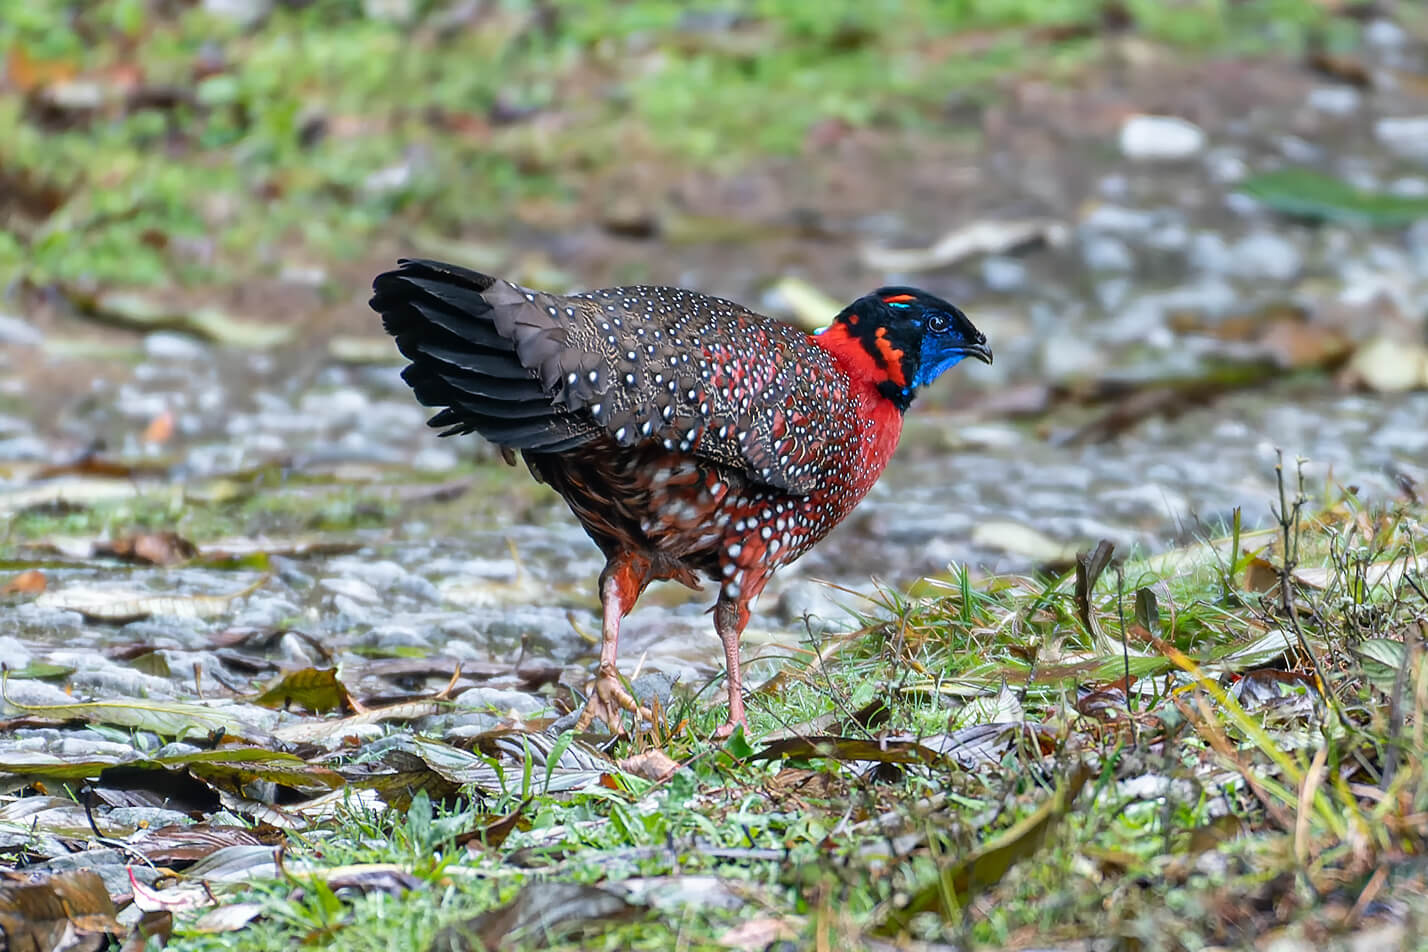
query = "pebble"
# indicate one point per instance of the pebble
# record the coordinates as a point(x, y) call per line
point(1104, 253)
point(244, 13)
point(1146, 138)
point(1265, 254)
point(1002, 274)
point(264, 611)
point(1225, 166)
point(1406, 137)
point(1210, 252)
point(1120, 220)
point(1418, 245)
point(14, 656)
point(354, 589)
point(501, 701)
point(41, 618)
point(1067, 356)
point(404, 633)
point(1384, 34)
point(823, 606)
point(389, 11)
point(165, 345)
point(1299, 151)
point(1335, 100)
point(17, 330)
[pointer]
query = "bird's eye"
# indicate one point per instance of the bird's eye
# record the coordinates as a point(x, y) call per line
point(938, 323)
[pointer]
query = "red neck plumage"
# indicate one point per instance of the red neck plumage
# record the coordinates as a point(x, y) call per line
point(865, 374)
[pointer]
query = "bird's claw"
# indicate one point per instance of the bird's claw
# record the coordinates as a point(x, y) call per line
point(726, 730)
point(608, 701)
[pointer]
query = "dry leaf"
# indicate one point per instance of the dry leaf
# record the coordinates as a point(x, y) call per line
point(28, 582)
point(150, 548)
point(160, 428)
point(651, 765)
point(982, 237)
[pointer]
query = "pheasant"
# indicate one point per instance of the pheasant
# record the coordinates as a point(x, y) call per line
point(689, 435)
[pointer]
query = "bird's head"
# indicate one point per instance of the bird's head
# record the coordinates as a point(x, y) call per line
point(904, 338)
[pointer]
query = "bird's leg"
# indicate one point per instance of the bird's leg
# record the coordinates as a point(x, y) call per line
point(624, 578)
point(730, 617)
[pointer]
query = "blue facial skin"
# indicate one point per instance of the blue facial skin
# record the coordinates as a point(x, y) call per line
point(940, 352)
point(942, 335)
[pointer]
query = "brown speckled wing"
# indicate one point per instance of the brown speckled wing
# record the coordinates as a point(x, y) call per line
point(702, 375)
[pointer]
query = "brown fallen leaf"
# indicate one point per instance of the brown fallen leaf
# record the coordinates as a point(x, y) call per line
point(181, 845)
point(316, 689)
point(1295, 344)
point(28, 582)
point(1261, 576)
point(157, 924)
point(160, 428)
point(540, 912)
point(651, 765)
point(39, 915)
point(493, 834)
point(1388, 366)
point(883, 751)
point(985, 866)
point(149, 548)
point(764, 932)
point(976, 238)
point(118, 606)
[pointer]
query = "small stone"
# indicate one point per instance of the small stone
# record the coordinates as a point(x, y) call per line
point(389, 11)
point(31, 693)
point(1002, 274)
point(393, 178)
point(435, 459)
point(1406, 137)
point(1066, 356)
point(1104, 253)
point(354, 589)
point(17, 330)
point(294, 651)
point(1299, 151)
point(1160, 139)
point(1225, 166)
point(817, 602)
point(1418, 243)
point(1119, 220)
point(165, 345)
point(244, 13)
point(1389, 366)
point(1384, 34)
point(499, 701)
point(265, 611)
point(1265, 254)
point(1409, 187)
point(1335, 100)
point(404, 634)
point(13, 653)
point(1210, 251)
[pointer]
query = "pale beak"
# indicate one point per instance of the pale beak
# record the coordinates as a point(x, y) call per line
point(980, 351)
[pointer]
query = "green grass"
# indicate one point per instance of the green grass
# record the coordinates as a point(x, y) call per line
point(1242, 788)
point(254, 147)
point(270, 500)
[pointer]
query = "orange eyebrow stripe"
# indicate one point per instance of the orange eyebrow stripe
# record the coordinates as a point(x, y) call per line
point(897, 298)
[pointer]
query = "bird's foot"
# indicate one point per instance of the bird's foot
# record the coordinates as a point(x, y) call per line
point(609, 701)
point(727, 729)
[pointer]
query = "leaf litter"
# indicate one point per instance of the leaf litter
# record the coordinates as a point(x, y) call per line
point(1102, 705)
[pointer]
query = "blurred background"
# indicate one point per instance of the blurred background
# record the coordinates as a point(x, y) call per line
point(1193, 230)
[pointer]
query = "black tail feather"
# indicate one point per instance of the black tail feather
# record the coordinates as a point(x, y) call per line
point(461, 363)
